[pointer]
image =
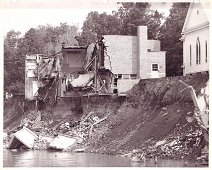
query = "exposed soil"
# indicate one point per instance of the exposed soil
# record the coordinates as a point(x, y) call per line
point(153, 110)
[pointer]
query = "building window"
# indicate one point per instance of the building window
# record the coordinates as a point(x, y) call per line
point(190, 55)
point(119, 76)
point(115, 91)
point(198, 52)
point(133, 76)
point(115, 82)
point(154, 67)
point(125, 76)
point(206, 52)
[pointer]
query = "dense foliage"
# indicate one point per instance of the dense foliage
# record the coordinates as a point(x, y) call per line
point(131, 15)
point(47, 39)
point(170, 34)
point(42, 40)
point(122, 22)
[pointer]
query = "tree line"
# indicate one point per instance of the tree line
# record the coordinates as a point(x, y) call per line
point(47, 39)
point(42, 40)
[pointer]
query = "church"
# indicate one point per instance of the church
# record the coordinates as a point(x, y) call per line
point(195, 37)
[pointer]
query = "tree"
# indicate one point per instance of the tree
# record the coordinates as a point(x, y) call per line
point(42, 40)
point(122, 22)
point(53, 37)
point(133, 15)
point(96, 25)
point(11, 39)
point(11, 72)
point(32, 43)
point(169, 35)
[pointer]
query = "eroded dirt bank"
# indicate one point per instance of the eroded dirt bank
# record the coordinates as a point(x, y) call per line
point(151, 119)
point(154, 110)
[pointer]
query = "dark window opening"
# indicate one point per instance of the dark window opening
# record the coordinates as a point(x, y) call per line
point(133, 76)
point(115, 91)
point(119, 76)
point(115, 81)
point(190, 55)
point(154, 67)
point(198, 52)
point(206, 52)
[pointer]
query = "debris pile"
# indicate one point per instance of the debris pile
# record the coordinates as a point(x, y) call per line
point(154, 120)
point(179, 146)
point(41, 144)
point(51, 134)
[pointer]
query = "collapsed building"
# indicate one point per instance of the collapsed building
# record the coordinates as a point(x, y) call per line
point(111, 65)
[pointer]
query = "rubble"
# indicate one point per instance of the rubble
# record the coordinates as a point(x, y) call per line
point(62, 136)
point(134, 130)
point(160, 143)
point(175, 146)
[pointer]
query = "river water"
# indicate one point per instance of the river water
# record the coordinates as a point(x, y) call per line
point(48, 158)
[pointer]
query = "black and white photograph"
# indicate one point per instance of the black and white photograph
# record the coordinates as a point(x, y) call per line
point(105, 83)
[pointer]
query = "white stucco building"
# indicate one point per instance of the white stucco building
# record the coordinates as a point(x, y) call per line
point(132, 58)
point(195, 37)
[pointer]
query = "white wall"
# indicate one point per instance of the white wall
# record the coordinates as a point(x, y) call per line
point(123, 52)
point(190, 39)
point(153, 45)
point(153, 58)
point(130, 55)
point(196, 18)
point(146, 59)
point(125, 85)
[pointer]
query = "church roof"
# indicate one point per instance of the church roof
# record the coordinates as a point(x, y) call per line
point(194, 21)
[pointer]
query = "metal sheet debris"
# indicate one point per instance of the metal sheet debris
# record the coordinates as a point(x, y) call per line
point(82, 80)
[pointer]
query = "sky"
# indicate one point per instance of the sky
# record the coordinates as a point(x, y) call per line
point(21, 15)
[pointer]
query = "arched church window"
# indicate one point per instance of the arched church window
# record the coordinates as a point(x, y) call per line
point(198, 52)
point(206, 52)
point(190, 55)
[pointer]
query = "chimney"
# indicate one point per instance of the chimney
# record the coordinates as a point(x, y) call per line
point(142, 50)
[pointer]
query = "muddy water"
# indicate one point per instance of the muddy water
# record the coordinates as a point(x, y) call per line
point(46, 158)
